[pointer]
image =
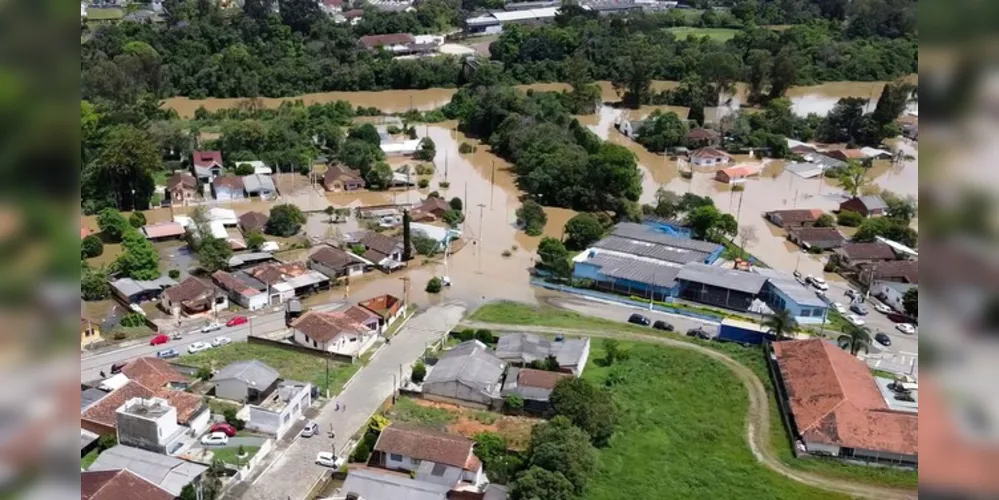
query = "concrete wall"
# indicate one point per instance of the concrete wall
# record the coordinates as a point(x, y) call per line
point(278, 423)
point(458, 391)
point(231, 389)
point(822, 449)
point(153, 433)
point(578, 371)
point(200, 422)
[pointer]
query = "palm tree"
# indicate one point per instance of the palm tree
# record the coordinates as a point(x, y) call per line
point(859, 337)
point(781, 323)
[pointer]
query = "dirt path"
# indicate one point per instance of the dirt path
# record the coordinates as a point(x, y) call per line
point(757, 421)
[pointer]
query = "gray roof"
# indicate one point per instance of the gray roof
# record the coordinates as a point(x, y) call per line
point(495, 492)
point(167, 472)
point(527, 347)
point(642, 232)
point(87, 437)
point(249, 257)
point(873, 202)
point(731, 279)
point(253, 372)
point(635, 269)
point(204, 171)
point(377, 484)
point(90, 396)
point(129, 286)
point(800, 294)
point(258, 182)
point(471, 364)
point(824, 161)
point(250, 281)
point(660, 251)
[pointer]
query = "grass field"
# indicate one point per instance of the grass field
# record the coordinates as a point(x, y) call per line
point(717, 34)
point(87, 460)
point(515, 313)
point(228, 455)
point(464, 421)
point(681, 429)
point(290, 364)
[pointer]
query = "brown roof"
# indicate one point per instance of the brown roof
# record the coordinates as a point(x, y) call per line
point(186, 181)
point(812, 234)
point(359, 314)
point(342, 173)
point(102, 412)
point(852, 154)
point(233, 284)
point(901, 270)
point(434, 204)
point(425, 444)
point(709, 152)
point(163, 230)
point(380, 243)
point(332, 257)
point(207, 158)
point(120, 484)
point(701, 134)
point(382, 305)
point(187, 404)
point(276, 272)
point(541, 379)
point(374, 41)
point(152, 372)
point(835, 400)
point(253, 221)
point(323, 327)
point(228, 181)
point(797, 217)
point(868, 251)
point(190, 289)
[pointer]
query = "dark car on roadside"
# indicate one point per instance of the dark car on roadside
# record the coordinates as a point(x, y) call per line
point(167, 354)
point(699, 333)
point(858, 308)
point(662, 325)
point(882, 338)
point(638, 319)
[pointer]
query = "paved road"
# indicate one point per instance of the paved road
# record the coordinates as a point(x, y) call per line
point(294, 473)
point(91, 365)
point(758, 418)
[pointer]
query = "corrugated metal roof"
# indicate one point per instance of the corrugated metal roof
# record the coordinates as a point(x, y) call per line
point(659, 273)
point(471, 364)
point(167, 472)
point(642, 232)
point(256, 183)
point(527, 347)
point(377, 484)
point(252, 372)
point(660, 251)
point(720, 277)
point(789, 286)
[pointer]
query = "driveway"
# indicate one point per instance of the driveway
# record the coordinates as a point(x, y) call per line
point(293, 474)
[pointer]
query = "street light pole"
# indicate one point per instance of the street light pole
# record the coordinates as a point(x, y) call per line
point(482, 206)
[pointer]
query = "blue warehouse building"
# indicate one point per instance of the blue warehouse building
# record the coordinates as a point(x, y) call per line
point(782, 291)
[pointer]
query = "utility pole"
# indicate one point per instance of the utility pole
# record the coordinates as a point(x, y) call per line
point(739, 211)
point(492, 185)
point(445, 166)
point(481, 207)
point(405, 291)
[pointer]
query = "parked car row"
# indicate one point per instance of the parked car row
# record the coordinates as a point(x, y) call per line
point(638, 319)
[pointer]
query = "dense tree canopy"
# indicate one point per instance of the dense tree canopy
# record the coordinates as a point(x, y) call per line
point(582, 230)
point(586, 406)
point(284, 220)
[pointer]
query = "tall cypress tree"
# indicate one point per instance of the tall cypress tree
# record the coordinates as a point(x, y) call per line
point(407, 248)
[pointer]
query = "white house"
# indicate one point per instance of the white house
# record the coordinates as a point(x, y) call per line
point(430, 456)
point(240, 292)
point(709, 157)
point(891, 293)
point(279, 411)
point(630, 127)
point(154, 423)
point(348, 332)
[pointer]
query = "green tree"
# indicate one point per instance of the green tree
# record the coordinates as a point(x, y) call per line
point(853, 178)
point(426, 150)
point(849, 218)
point(285, 220)
point(662, 131)
point(360, 155)
point(910, 301)
point(886, 227)
point(513, 402)
point(781, 324)
point(552, 252)
point(532, 217)
point(367, 133)
point(858, 337)
point(632, 79)
point(379, 177)
point(244, 169)
point(537, 484)
point(759, 65)
point(434, 285)
point(783, 73)
point(587, 406)
point(137, 220)
point(585, 94)
point(112, 224)
point(139, 259)
point(561, 447)
point(214, 254)
point(708, 223)
point(899, 208)
point(891, 104)
point(582, 230)
point(612, 350)
point(132, 320)
point(254, 240)
point(722, 70)
point(94, 284)
point(91, 247)
point(456, 204)
point(122, 172)
point(825, 220)
point(300, 15)
point(419, 372)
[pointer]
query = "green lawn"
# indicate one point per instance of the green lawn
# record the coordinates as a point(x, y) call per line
point(87, 460)
point(717, 34)
point(515, 313)
point(290, 364)
point(228, 455)
point(681, 429)
point(108, 14)
point(219, 406)
point(407, 410)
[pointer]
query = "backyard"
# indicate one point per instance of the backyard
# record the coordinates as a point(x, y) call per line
point(464, 421)
point(292, 365)
point(228, 455)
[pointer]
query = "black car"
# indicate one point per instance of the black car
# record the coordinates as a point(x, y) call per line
point(638, 319)
point(662, 325)
point(698, 333)
point(882, 339)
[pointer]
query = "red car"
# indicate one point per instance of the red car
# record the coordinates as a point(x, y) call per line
point(224, 428)
point(238, 320)
point(159, 339)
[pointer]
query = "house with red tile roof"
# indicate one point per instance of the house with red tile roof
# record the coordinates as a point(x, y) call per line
point(834, 407)
point(388, 308)
point(794, 218)
point(120, 484)
point(101, 417)
point(348, 332)
point(183, 189)
point(709, 157)
point(206, 165)
point(428, 455)
point(737, 174)
point(155, 373)
point(163, 231)
point(533, 386)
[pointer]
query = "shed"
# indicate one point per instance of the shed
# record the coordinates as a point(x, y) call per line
point(868, 206)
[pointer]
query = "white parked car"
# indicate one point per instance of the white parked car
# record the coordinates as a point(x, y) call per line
point(856, 320)
point(220, 341)
point(311, 429)
point(211, 327)
point(881, 308)
point(198, 347)
point(905, 328)
point(853, 294)
point(328, 459)
point(215, 439)
point(840, 308)
point(818, 283)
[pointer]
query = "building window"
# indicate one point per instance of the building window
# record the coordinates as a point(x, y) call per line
point(438, 470)
point(395, 457)
point(806, 312)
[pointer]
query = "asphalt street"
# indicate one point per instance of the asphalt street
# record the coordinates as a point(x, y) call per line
point(293, 474)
